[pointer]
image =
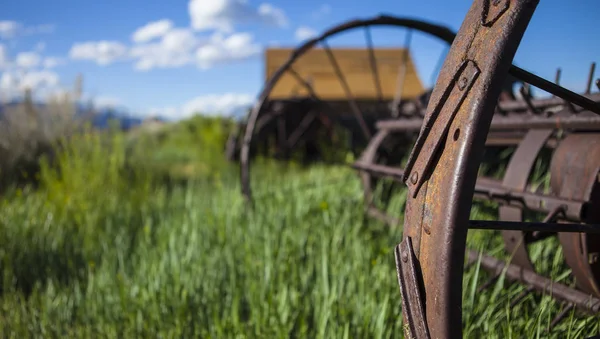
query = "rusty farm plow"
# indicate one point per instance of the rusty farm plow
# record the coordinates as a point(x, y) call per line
point(435, 141)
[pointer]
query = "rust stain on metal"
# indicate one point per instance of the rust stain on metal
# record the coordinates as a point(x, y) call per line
point(441, 170)
point(574, 172)
point(471, 107)
point(493, 9)
point(441, 254)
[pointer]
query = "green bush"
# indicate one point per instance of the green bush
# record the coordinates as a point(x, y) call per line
point(192, 149)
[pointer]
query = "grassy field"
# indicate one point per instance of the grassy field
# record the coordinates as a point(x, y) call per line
point(100, 251)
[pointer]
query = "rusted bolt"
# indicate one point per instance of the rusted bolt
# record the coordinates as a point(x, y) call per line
point(462, 83)
point(404, 256)
point(496, 3)
point(414, 177)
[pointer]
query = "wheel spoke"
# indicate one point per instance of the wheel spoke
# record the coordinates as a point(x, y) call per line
point(436, 70)
point(534, 226)
point(555, 89)
point(295, 136)
point(401, 75)
point(442, 33)
point(373, 63)
point(515, 273)
point(304, 83)
point(353, 105)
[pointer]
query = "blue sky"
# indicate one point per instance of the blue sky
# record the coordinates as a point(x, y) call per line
point(179, 56)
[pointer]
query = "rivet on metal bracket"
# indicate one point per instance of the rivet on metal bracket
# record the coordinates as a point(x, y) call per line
point(438, 123)
point(414, 177)
point(493, 10)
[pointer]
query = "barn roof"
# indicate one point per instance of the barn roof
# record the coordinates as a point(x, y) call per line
point(315, 67)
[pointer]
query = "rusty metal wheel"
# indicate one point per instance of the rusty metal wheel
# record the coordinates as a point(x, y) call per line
point(316, 108)
point(442, 169)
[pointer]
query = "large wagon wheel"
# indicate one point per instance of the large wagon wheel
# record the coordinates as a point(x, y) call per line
point(441, 176)
point(261, 112)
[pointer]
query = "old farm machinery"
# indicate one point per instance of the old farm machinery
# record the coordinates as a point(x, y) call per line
point(441, 177)
point(314, 88)
point(481, 103)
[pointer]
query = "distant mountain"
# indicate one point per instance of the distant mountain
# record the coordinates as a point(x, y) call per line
point(100, 117)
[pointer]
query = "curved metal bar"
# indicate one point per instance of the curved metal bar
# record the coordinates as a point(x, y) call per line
point(441, 32)
point(442, 169)
point(517, 173)
point(368, 156)
point(574, 170)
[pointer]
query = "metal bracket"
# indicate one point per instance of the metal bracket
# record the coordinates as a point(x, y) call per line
point(435, 128)
point(410, 290)
point(493, 10)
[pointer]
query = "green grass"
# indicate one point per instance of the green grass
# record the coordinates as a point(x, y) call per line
point(101, 254)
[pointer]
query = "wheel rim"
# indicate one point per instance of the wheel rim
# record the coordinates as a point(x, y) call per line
point(438, 31)
point(434, 230)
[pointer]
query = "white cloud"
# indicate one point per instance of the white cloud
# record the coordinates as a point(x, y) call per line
point(159, 44)
point(8, 81)
point(102, 52)
point(236, 47)
point(179, 39)
point(39, 29)
point(12, 84)
point(23, 71)
point(272, 15)
point(8, 29)
point(40, 46)
point(223, 15)
point(217, 104)
point(175, 49)
point(39, 79)
point(322, 11)
point(212, 104)
point(51, 62)
point(4, 60)
point(28, 60)
point(152, 30)
point(305, 33)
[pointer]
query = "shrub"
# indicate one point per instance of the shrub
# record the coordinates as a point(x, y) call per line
point(29, 132)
